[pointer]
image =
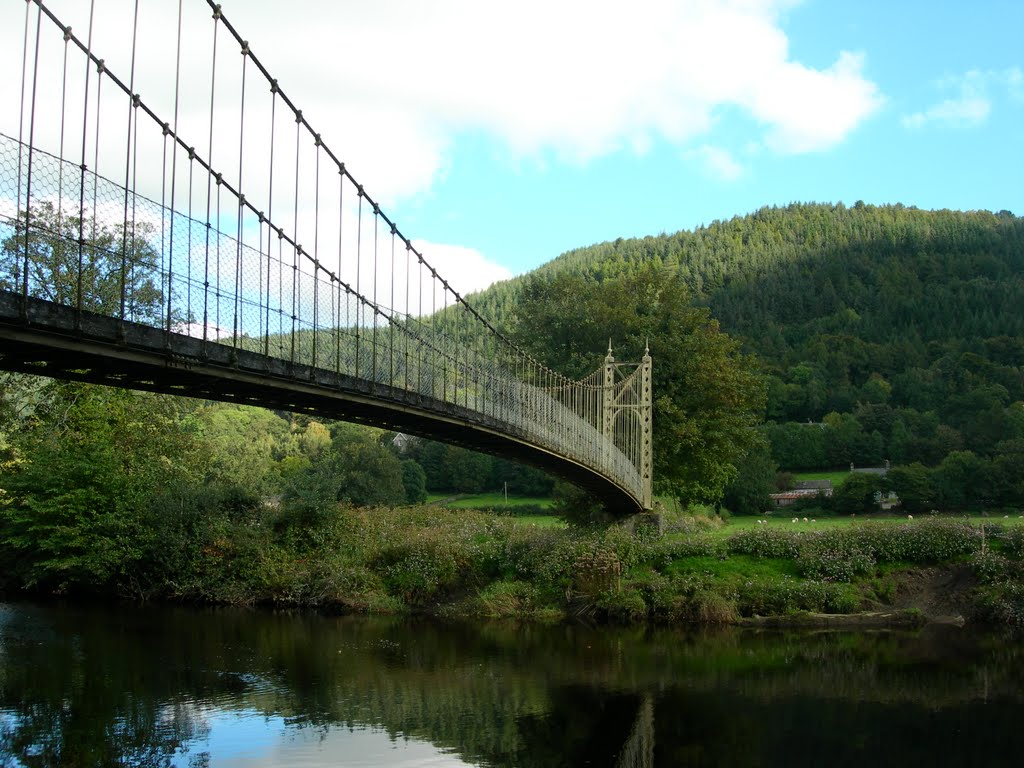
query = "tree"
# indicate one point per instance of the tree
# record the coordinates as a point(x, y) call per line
point(707, 396)
point(468, 471)
point(91, 461)
point(414, 480)
point(246, 443)
point(112, 265)
point(913, 485)
point(748, 493)
point(856, 494)
point(961, 481)
point(355, 468)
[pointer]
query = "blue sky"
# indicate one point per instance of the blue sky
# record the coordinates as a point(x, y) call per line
point(499, 135)
point(947, 132)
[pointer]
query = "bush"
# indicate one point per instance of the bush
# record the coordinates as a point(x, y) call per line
point(622, 605)
point(687, 523)
point(1003, 603)
point(1013, 542)
point(778, 597)
point(508, 599)
point(834, 556)
point(922, 542)
point(766, 541)
point(690, 598)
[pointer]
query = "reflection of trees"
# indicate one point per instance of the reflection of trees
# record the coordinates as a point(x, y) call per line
point(101, 687)
point(75, 698)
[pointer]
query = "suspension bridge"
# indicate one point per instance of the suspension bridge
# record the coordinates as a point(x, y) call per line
point(171, 221)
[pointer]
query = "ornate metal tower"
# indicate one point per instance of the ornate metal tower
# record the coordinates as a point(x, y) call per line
point(627, 415)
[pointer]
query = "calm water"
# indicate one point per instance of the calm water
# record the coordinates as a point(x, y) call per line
point(88, 686)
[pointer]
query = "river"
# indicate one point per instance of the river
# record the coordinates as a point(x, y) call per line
point(158, 686)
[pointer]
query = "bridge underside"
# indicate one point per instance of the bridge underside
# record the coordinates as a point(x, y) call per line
point(46, 339)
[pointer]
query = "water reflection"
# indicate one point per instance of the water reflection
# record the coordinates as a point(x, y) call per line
point(161, 687)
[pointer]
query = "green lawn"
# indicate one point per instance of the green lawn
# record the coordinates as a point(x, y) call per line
point(837, 477)
point(541, 521)
point(785, 519)
point(488, 501)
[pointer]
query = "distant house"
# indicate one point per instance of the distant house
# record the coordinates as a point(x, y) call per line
point(805, 489)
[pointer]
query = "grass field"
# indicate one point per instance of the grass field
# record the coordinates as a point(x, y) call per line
point(542, 521)
point(837, 477)
point(781, 517)
point(494, 501)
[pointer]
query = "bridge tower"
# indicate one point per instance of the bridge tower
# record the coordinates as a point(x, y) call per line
point(630, 397)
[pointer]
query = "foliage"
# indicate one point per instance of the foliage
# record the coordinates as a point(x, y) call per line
point(766, 541)
point(356, 467)
point(834, 556)
point(857, 494)
point(748, 493)
point(414, 481)
point(886, 332)
point(69, 260)
point(93, 458)
point(578, 508)
point(706, 395)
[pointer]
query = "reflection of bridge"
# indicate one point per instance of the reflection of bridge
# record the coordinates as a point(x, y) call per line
point(198, 237)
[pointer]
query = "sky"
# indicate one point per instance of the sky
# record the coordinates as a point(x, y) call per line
point(500, 135)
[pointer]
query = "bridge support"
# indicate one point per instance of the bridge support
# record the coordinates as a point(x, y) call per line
point(646, 430)
point(632, 396)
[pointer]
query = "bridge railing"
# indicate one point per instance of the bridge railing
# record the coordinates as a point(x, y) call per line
point(134, 223)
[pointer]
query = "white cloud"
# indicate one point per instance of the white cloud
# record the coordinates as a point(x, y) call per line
point(966, 110)
point(808, 110)
point(466, 269)
point(973, 101)
point(391, 83)
point(716, 162)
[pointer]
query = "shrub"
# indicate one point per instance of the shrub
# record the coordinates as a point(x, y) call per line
point(766, 541)
point(1003, 603)
point(991, 567)
point(776, 597)
point(508, 599)
point(834, 555)
point(422, 567)
point(1013, 542)
point(622, 605)
point(711, 607)
point(689, 524)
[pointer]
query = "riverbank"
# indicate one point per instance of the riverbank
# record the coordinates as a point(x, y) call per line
point(687, 569)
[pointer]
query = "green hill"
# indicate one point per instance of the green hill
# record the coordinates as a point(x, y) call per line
point(902, 329)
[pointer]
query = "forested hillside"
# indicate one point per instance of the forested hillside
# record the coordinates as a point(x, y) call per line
point(900, 330)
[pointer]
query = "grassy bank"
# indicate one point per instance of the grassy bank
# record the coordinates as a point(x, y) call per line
point(466, 563)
